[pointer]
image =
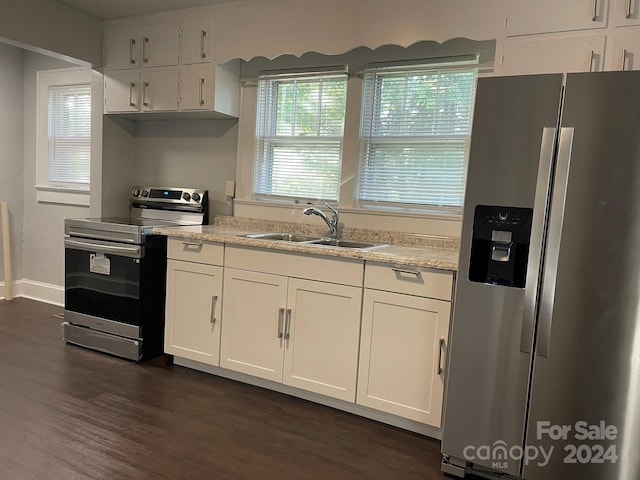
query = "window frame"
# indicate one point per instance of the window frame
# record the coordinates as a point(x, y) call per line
point(462, 63)
point(266, 123)
point(46, 191)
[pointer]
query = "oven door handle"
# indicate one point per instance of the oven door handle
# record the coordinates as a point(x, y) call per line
point(123, 251)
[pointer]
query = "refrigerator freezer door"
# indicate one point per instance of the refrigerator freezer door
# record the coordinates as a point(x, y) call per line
point(586, 380)
point(491, 340)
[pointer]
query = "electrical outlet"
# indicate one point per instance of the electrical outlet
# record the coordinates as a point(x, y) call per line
point(230, 188)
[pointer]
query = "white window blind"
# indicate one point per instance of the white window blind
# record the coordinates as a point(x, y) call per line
point(415, 135)
point(300, 126)
point(69, 127)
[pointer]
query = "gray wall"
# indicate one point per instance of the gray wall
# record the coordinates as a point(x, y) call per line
point(48, 26)
point(188, 153)
point(43, 248)
point(11, 150)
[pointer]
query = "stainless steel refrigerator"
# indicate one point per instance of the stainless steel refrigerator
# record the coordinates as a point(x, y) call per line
point(544, 362)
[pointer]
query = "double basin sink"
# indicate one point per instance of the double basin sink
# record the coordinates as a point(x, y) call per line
point(311, 240)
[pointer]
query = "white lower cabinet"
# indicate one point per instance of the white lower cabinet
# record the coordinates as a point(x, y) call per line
point(194, 302)
point(300, 332)
point(403, 344)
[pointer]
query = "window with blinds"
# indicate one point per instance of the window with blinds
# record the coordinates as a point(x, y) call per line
point(299, 132)
point(415, 136)
point(69, 135)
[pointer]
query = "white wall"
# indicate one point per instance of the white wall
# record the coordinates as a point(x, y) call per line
point(11, 151)
point(188, 153)
point(48, 26)
point(43, 248)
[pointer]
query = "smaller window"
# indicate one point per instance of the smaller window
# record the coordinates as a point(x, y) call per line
point(415, 135)
point(69, 151)
point(299, 132)
point(64, 136)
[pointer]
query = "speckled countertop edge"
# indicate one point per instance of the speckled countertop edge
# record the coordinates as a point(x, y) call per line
point(440, 253)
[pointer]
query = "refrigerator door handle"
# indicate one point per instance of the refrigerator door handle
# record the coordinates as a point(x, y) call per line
point(556, 218)
point(540, 208)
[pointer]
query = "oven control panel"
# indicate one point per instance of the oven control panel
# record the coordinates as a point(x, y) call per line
point(182, 196)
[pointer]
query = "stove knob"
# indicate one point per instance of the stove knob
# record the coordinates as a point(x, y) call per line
point(135, 192)
point(145, 193)
point(186, 196)
point(196, 197)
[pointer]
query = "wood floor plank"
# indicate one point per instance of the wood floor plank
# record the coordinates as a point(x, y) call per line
point(70, 413)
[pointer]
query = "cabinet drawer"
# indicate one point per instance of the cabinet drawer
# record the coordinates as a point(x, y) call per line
point(196, 251)
point(409, 280)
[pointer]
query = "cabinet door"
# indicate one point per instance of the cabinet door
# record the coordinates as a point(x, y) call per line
point(160, 89)
point(323, 325)
point(195, 39)
point(160, 43)
point(122, 48)
point(193, 311)
point(552, 54)
point(253, 311)
point(122, 91)
point(196, 87)
point(401, 355)
point(623, 48)
point(545, 16)
point(625, 12)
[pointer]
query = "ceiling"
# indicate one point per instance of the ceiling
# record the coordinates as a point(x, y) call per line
point(126, 8)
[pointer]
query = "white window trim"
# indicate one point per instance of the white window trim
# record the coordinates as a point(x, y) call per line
point(44, 191)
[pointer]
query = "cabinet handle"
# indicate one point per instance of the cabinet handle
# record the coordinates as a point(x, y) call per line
point(441, 345)
point(145, 85)
point(192, 244)
point(628, 12)
point(200, 89)
point(591, 56)
point(624, 59)
point(203, 34)
point(132, 44)
point(408, 272)
point(132, 85)
point(594, 13)
point(287, 327)
point(280, 319)
point(214, 300)
point(145, 42)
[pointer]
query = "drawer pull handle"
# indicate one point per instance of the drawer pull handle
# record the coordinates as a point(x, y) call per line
point(400, 271)
point(441, 346)
point(280, 320)
point(197, 245)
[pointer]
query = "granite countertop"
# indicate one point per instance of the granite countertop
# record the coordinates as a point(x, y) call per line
point(439, 253)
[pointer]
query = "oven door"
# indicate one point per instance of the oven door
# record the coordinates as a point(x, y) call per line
point(102, 279)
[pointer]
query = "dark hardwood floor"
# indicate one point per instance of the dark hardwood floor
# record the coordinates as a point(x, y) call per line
point(71, 413)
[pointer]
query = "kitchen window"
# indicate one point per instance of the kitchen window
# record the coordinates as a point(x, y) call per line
point(299, 135)
point(64, 136)
point(415, 134)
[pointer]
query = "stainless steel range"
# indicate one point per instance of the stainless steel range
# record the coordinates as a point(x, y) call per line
point(115, 272)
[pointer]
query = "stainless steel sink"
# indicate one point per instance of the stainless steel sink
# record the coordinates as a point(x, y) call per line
point(282, 237)
point(329, 242)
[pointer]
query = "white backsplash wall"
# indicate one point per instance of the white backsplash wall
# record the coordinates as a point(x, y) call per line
point(188, 153)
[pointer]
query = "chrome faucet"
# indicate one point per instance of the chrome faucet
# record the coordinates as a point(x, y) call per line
point(331, 222)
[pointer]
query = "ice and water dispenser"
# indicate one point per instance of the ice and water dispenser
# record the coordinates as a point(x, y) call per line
point(500, 245)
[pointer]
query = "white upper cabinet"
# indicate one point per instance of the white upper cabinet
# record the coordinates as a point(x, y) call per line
point(195, 39)
point(624, 50)
point(152, 45)
point(160, 44)
point(122, 91)
point(160, 90)
point(556, 53)
point(625, 12)
point(545, 16)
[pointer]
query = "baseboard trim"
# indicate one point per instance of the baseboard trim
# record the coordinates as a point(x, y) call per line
point(17, 289)
point(367, 412)
point(43, 292)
